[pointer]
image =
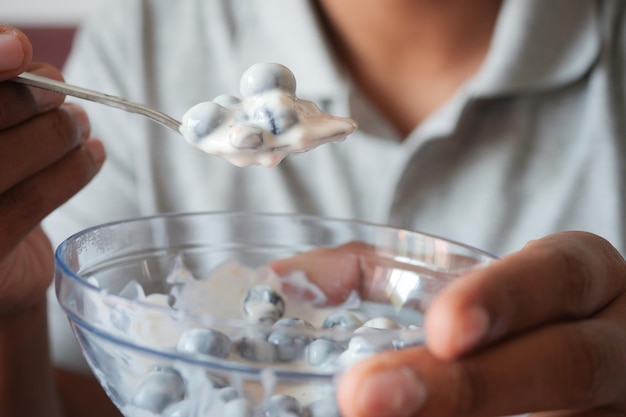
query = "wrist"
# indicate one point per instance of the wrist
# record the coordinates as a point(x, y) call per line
point(25, 366)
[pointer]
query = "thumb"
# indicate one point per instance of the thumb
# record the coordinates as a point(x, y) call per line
point(15, 52)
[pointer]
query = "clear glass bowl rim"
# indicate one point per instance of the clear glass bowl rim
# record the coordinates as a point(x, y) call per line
point(208, 361)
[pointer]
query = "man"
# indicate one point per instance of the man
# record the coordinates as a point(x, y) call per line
point(461, 139)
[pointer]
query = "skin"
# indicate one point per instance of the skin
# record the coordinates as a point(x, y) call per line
point(541, 329)
point(46, 156)
point(430, 47)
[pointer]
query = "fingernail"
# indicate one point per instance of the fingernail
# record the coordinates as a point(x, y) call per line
point(392, 393)
point(96, 150)
point(12, 55)
point(472, 329)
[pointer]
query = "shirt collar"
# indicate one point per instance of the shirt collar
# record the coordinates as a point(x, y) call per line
point(539, 44)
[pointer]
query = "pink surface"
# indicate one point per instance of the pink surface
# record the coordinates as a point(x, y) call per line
point(50, 44)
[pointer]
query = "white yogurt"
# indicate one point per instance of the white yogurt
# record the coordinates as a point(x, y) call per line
point(266, 124)
point(221, 296)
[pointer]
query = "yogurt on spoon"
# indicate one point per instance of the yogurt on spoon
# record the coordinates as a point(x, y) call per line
point(266, 124)
point(263, 126)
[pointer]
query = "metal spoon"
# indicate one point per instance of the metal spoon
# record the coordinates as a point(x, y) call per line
point(318, 128)
point(38, 81)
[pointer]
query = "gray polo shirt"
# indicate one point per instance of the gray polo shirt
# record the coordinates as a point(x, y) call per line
point(532, 144)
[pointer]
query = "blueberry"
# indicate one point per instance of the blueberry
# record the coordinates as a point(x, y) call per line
point(370, 339)
point(349, 358)
point(291, 336)
point(265, 77)
point(293, 323)
point(325, 407)
point(280, 406)
point(238, 407)
point(365, 342)
point(226, 100)
point(275, 119)
point(202, 119)
point(205, 342)
point(256, 350)
point(227, 394)
point(261, 303)
point(323, 352)
point(343, 320)
point(260, 329)
point(159, 389)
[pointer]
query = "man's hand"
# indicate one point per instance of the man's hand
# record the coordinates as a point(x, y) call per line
point(541, 330)
point(45, 158)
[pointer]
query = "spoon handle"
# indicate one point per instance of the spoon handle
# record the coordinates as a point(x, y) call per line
point(38, 81)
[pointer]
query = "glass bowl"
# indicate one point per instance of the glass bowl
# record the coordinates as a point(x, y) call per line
point(241, 315)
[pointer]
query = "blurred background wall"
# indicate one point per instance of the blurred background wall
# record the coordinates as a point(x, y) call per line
point(50, 24)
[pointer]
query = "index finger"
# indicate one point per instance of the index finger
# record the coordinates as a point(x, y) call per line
point(336, 271)
point(566, 276)
point(383, 274)
point(15, 52)
point(19, 103)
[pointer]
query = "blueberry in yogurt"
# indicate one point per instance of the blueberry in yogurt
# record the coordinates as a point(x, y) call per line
point(202, 119)
point(226, 100)
point(276, 120)
point(228, 394)
point(205, 342)
point(263, 77)
point(282, 406)
point(291, 336)
point(342, 320)
point(276, 113)
point(263, 303)
point(161, 388)
point(256, 350)
point(323, 352)
point(371, 339)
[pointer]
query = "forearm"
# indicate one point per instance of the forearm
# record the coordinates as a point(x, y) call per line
point(27, 384)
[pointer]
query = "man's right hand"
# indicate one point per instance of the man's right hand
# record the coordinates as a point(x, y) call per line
point(45, 158)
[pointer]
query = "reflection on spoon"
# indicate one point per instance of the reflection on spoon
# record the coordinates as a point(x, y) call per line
point(263, 126)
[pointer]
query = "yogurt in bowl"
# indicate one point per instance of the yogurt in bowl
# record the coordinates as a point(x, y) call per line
point(193, 314)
